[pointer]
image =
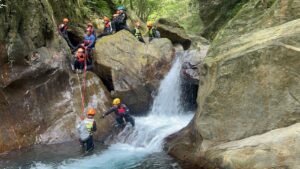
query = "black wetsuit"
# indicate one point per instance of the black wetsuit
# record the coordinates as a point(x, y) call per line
point(119, 23)
point(121, 112)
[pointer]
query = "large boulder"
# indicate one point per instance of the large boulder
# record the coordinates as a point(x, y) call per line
point(276, 149)
point(131, 69)
point(40, 97)
point(253, 83)
point(43, 105)
point(174, 32)
point(249, 86)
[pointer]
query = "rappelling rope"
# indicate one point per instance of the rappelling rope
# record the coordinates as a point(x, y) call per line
point(84, 82)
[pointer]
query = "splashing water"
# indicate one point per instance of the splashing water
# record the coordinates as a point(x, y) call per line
point(132, 145)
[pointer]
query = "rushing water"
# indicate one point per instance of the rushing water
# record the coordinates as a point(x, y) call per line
point(139, 147)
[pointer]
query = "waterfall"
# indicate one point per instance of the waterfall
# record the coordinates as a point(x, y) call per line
point(167, 102)
point(133, 144)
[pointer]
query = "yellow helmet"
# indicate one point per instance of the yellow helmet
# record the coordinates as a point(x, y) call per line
point(116, 101)
point(149, 24)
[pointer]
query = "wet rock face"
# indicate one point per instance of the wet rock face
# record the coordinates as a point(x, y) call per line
point(278, 148)
point(249, 85)
point(215, 13)
point(40, 97)
point(132, 69)
point(174, 32)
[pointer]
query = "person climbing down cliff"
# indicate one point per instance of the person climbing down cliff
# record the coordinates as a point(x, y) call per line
point(63, 31)
point(122, 112)
point(152, 31)
point(107, 28)
point(119, 22)
point(79, 61)
point(137, 32)
point(91, 27)
point(88, 44)
point(87, 126)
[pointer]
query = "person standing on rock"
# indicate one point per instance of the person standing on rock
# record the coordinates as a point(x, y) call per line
point(152, 31)
point(119, 23)
point(137, 32)
point(86, 129)
point(122, 112)
point(107, 28)
point(63, 31)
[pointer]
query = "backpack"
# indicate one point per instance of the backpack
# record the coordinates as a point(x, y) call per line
point(156, 33)
point(83, 131)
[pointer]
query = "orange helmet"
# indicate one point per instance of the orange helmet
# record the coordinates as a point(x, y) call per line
point(91, 111)
point(65, 20)
point(106, 18)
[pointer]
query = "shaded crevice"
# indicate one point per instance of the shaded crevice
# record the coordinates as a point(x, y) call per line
point(105, 74)
point(74, 39)
point(189, 96)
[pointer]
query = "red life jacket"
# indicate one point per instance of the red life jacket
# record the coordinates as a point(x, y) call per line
point(80, 58)
point(107, 24)
point(121, 110)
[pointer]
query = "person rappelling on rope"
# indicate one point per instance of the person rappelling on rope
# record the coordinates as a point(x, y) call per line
point(87, 126)
point(88, 45)
point(79, 62)
point(122, 113)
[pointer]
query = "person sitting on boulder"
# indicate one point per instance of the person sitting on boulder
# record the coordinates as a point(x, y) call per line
point(119, 23)
point(63, 31)
point(152, 31)
point(137, 32)
point(86, 128)
point(79, 60)
point(121, 111)
point(107, 28)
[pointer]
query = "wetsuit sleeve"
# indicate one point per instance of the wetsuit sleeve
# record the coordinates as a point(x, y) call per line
point(110, 111)
point(122, 18)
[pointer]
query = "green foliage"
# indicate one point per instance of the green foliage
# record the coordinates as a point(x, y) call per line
point(99, 6)
point(185, 12)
